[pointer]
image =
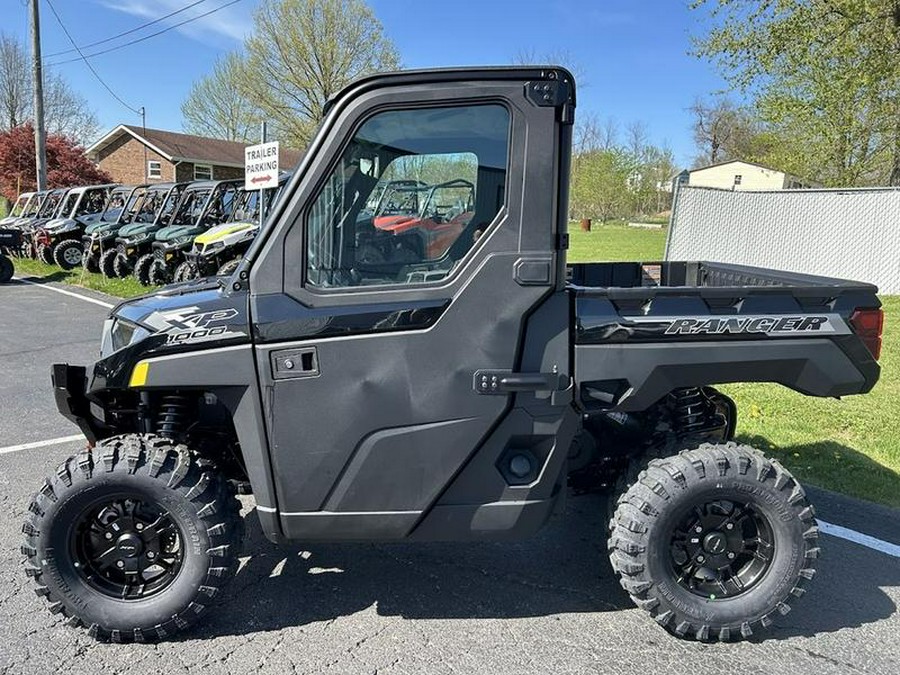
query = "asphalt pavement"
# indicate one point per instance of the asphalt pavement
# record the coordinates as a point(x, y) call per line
point(546, 605)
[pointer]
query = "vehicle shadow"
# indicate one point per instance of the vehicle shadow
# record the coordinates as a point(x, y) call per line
point(842, 468)
point(562, 570)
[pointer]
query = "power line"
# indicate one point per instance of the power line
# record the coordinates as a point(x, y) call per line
point(88, 63)
point(128, 32)
point(147, 37)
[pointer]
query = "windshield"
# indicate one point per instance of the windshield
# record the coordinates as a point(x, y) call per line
point(34, 205)
point(92, 202)
point(21, 204)
point(114, 205)
point(68, 206)
point(48, 208)
point(131, 208)
point(190, 208)
point(168, 207)
point(246, 208)
point(150, 205)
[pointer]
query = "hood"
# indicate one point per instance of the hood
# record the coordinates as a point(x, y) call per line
point(59, 224)
point(224, 230)
point(100, 227)
point(193, 312)
point(172, 232)
point(137, 229)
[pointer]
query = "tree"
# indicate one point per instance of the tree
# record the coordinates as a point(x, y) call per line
point(302, 52)
point(598, 185)
point(217, 107)
point(722, 131)
point(823, 73)
point(65, 111)
point(67, 165)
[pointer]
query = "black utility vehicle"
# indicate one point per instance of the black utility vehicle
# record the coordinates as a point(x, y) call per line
point(448, 398)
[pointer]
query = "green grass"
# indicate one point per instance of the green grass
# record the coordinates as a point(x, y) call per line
point(849, 446)
point(123, 288)
point(614, 241)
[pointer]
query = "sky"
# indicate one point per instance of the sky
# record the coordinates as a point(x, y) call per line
point(631, 55)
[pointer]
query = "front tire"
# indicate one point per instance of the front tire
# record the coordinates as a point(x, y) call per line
point(142, 269)
point(714, 542)
point(107, 263)
point(121, 266)
point(68, 254)
point(45, 254)
point(134, 539)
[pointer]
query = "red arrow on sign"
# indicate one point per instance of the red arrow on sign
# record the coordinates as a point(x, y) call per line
point(260, 179)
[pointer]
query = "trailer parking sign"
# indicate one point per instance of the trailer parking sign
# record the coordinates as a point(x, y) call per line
point(261, 166)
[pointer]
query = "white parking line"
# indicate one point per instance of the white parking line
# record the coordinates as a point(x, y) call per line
point(64, 292)
point(41, 444)
point(860, 538)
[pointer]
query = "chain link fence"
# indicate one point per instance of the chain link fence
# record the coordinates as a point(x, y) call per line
point(851, 234)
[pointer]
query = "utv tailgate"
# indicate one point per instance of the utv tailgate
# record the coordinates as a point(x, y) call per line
point(642, 330)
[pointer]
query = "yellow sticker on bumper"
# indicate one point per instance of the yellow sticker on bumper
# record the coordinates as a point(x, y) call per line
point(139, 374)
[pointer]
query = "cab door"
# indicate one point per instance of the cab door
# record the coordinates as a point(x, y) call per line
point(383, 368)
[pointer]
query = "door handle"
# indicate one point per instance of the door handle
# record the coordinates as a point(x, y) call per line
point(502, 382)
point(293, 363)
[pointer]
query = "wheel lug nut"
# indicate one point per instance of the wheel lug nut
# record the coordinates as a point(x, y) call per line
point(729, 526)
point(151, 555)
point(108, 535)
point(698, 529)
point(731, 555)
point(700, 559)
point(139, 526)
point(120, 563)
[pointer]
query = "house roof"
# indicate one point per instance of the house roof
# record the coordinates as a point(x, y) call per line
point(177, 147)
point(737, 161)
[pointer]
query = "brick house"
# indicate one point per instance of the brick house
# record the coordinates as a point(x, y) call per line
point(171, 156)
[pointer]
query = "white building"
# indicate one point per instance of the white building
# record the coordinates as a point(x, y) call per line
point(738, 175)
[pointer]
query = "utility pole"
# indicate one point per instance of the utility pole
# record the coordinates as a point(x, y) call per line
point(262, 193)
point(144, 131)
point(37, 73)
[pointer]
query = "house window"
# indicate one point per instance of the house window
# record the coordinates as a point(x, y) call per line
point(203, 172)
point(154, 169)
point(738, 178)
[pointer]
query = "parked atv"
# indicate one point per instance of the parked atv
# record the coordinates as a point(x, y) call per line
point(19, 209)
point(446, 209)
point(60, 238)
point(219, 250)
point(48, 210)
point(99, 237)
point(135, 239)
point(203, 205)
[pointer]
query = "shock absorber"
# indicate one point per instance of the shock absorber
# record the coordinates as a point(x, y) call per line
point(173, 415)
point(690, 410)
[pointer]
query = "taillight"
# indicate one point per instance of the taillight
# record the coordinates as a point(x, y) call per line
point(869, 324)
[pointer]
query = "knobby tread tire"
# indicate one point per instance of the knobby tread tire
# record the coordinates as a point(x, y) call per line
point(228, 268)
point(203, 492)
point(142, 269)
point(107, 263)
point(633, 543)
point(121, 268)
point(59, 253)
point(45, 254)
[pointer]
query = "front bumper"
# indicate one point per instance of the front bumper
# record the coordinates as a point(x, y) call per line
point(69, 387)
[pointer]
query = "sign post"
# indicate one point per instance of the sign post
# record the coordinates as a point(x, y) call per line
point(261, 169)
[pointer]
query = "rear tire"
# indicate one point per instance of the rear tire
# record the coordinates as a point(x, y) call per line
point(728, 578)
point(142, 269)
point(138, 518)
point(68, 253)
point(107, 263)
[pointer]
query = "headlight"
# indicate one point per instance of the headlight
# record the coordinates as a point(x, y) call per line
point(214, 246)
point(119, 333)
point(66, 227)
